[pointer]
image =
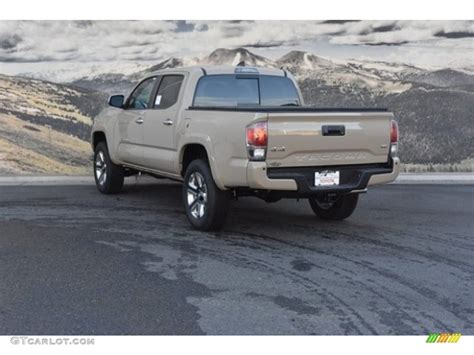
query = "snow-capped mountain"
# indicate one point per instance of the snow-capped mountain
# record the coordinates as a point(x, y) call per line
point(345, 75)
point(386, 70)
point(115, 83)
point(303, 65)
point(172, 62)
point(299, 62)
point(380, 77)
point(238, 56)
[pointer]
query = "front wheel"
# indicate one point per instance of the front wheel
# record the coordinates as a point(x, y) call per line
point(108, 176)
point(339, 209)
point(206, 205)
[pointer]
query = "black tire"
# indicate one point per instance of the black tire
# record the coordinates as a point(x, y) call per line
point(199, 189)
point(112, 181)
point(338, 210)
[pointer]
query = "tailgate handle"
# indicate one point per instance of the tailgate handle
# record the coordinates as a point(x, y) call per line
point(334, 130)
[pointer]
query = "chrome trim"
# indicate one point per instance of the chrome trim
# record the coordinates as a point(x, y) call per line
point(362, 191)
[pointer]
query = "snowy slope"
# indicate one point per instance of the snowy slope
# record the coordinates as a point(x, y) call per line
point(222, 56)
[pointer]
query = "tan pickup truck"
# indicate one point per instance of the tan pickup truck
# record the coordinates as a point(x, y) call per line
point(242, 131)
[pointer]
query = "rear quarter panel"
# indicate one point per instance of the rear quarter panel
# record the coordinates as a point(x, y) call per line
point(223, 136)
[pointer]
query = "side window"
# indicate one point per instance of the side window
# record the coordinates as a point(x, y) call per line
point(168, 91)
point(140, 98)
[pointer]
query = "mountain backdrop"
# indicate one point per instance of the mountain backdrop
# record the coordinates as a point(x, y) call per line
point(45, 125)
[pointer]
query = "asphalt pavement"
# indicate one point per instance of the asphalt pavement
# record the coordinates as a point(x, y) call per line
point(73, 261)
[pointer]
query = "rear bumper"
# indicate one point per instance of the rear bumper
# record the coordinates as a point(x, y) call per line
point(386, 178)
point(301, 179)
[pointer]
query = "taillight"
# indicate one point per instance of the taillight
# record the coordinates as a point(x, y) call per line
point(394, 132)
point(257, 134)
point(393, 138)
point(257, 140)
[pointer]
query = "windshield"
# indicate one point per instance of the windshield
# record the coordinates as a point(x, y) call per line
point(236, 91)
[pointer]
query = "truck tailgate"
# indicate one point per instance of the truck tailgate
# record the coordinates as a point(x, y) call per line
point(328, 138)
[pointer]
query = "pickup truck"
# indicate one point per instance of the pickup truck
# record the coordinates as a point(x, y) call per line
point(227, 132)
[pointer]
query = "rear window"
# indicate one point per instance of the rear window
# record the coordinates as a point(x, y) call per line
point(231, 90)
point(278, 91)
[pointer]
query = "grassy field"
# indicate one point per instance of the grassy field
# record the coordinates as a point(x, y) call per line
point(28, 148)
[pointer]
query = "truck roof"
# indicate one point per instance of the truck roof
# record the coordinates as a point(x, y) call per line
point(222, 69)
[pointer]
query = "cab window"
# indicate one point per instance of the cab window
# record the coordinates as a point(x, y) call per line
point(141, 96)
point(168, 92)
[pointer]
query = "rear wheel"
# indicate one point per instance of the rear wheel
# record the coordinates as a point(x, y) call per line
point(108, 176)
point(338, 209)
point(206, 205)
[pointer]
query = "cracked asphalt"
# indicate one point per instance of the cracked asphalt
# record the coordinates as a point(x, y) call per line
point(73, 261)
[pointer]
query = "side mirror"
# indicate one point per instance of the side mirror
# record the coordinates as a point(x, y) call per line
point(116, 101)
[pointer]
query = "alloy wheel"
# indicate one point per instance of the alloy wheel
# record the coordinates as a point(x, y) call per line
point(100, 168)
point(196, 195)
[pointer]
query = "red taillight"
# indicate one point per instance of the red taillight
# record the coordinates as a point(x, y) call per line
point(257, 139)
point(394, 132)
point(257, 134)
point(393, 138)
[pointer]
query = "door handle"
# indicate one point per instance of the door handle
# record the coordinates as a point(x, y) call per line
point(334, 130)
point(139, 120)
point(168, 122)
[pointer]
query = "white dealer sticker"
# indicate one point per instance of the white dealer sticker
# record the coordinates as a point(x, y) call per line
point(158, 100)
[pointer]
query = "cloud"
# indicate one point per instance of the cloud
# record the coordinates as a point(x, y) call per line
point(233, 29)
point(103, 41)
point(261, 44)
point(386, 28)
point(83, 23)
point(8, 42)
point(339, 22)
point(387, 43)
point(400, 32)
point(454, 34)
